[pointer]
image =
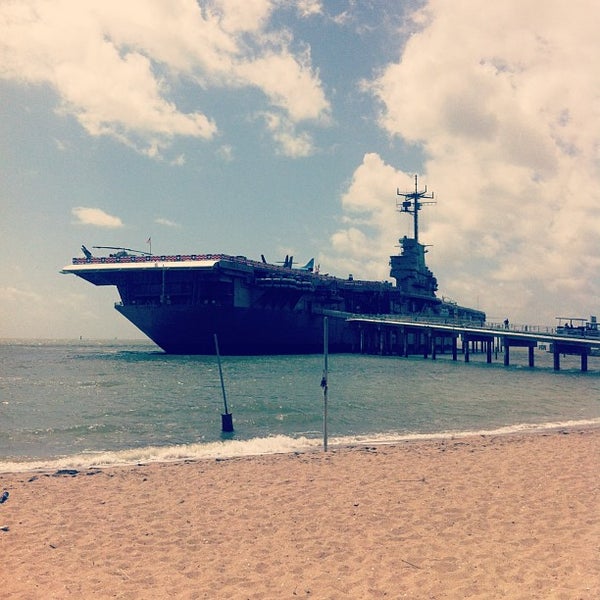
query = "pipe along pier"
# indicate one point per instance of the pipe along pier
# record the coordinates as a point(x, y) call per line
point(384, 335)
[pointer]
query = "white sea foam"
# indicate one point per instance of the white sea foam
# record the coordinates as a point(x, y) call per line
point(278, 444)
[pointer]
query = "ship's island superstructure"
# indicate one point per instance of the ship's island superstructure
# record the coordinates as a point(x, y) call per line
point(180, 301)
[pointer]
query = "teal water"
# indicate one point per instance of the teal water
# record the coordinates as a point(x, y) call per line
point(83, 403)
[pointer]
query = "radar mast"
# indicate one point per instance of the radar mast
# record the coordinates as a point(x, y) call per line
point(412, 204)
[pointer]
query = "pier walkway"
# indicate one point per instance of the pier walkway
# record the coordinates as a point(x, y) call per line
point(402, 336)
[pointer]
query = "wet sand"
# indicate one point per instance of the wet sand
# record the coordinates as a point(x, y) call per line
point(514, 516)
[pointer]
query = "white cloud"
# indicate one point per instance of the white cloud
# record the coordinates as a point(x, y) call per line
point(243, 15)
point(114, 64)
point(504, 103)
point(372, 227)
point(289, 83)
point(166, 222)
point(108, 86)
point(290, 143)
point(96, 217)
point(61, 145)
point(16, 296)
point(45, 314)
point(20, 306)
point(309, 8)
point(225, 152)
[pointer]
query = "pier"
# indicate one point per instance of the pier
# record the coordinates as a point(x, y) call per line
point(404, 337)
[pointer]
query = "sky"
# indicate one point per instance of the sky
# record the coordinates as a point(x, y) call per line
point(278, 127)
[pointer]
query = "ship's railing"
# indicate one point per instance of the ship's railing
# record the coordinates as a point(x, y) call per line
point(96, 260)
point(240, 260)
point(157, 258)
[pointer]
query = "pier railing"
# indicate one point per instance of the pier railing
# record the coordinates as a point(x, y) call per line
point(496, 326)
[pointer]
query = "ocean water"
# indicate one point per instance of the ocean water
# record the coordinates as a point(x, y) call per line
point(83, 403)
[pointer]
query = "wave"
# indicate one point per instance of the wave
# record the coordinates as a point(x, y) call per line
point(277, 444)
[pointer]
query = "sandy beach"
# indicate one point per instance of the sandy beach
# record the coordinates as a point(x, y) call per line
point(514, 516)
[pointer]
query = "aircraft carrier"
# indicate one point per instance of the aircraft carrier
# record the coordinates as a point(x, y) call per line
point(181, 301)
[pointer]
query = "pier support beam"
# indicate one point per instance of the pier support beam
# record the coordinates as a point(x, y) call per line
point(531, 356)
point(405, 339)
point(570, 348)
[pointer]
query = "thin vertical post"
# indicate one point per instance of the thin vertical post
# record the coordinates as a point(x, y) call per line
point(227, 417)
point(324, 379)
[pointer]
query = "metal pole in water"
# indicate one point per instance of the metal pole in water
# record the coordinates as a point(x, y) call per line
point(227, 417)
point(324, 379)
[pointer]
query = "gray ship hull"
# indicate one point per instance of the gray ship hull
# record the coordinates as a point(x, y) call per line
point(240, 331)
